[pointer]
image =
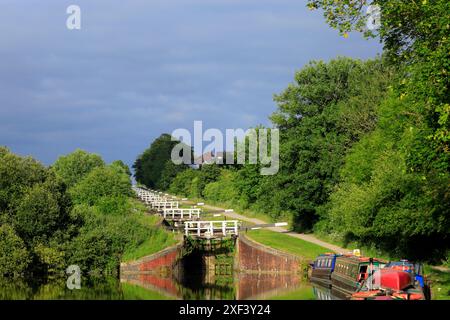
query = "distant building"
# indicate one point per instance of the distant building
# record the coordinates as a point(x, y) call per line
point(210, 158)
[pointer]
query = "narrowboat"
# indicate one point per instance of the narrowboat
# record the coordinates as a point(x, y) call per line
point(322, 268)
point(399, 280)
point(350, 272)
point(390, 284)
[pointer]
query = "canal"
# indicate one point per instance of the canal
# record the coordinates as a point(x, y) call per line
point(155, 287)
point(197, 276)
point(202, 273)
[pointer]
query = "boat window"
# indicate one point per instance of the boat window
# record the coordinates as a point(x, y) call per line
point(362, 273)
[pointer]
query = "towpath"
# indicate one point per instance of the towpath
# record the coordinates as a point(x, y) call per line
point(303, 236)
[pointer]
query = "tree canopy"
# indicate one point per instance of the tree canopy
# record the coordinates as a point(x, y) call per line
point(152, 167)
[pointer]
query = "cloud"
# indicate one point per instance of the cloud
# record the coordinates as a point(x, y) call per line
point(140, 68)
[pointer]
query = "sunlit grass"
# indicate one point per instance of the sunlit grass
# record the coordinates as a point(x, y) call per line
point(440, 283)
point(283, 242)
point(158, 240)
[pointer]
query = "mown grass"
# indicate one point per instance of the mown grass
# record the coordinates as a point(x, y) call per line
point(133, 292)
point(283, 242)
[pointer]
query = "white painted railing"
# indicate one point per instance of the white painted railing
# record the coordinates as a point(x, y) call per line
point(181, 214)
point(211, 229)
point(164, 205)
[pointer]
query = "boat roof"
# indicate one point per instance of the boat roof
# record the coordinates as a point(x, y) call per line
point(360, 259)
point(329, 254)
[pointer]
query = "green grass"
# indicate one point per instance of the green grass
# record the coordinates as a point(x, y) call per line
point(156, 243)
point(133, 292)
point(440, 283)
point(244, 212)
point(283, 242)
point(159, 240)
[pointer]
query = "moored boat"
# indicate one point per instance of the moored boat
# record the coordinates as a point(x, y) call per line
point(400, 280)
point(322, 268)
point(350, 272)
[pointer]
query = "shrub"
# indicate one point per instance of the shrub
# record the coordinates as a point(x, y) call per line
point(14, 257)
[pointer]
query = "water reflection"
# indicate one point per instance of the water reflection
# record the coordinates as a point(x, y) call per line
point(161, 287)
point(55, 289)
point(220, 287)
point(324, 293)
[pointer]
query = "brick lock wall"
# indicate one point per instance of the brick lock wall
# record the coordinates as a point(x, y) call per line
point(254, 257)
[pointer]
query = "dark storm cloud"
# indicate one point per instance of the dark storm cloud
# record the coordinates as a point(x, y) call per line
point(140, 68)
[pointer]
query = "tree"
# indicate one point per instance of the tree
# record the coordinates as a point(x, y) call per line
point(101, 182)
point(74, 166)
point(182, 183)
point(119, 164)
point(149, 166)
point(14, 257)
point(415, 37)
point(38, 214)
point(328, 108)
point(208, 173)
point(16, 175)
point(169, 173)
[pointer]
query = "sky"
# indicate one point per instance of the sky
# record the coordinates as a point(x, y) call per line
point(137, 69)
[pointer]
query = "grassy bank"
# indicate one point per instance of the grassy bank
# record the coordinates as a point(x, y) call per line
point(157, 241)
point(283, 242)
point(440, 283)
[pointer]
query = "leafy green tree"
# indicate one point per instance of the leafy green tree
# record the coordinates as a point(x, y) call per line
point(99, 183)
point(224, 189)
point(208, 173)
point(74, 166)
point(328, 108)
point(394, 188)
point(182, 183)
point(14, 257)
point(415, 36)
point(38, 214)
point(121, 166)
point(51, 258)
point(149, 166)
point(16, 175)
point(380, 202)
point(169, 173)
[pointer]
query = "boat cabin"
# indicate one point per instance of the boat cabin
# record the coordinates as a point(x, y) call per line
point(350, 272)
point(322, 268)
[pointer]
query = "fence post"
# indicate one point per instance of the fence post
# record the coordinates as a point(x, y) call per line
point(224, 228)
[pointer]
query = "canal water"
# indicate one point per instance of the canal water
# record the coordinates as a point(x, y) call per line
point(156, 287)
